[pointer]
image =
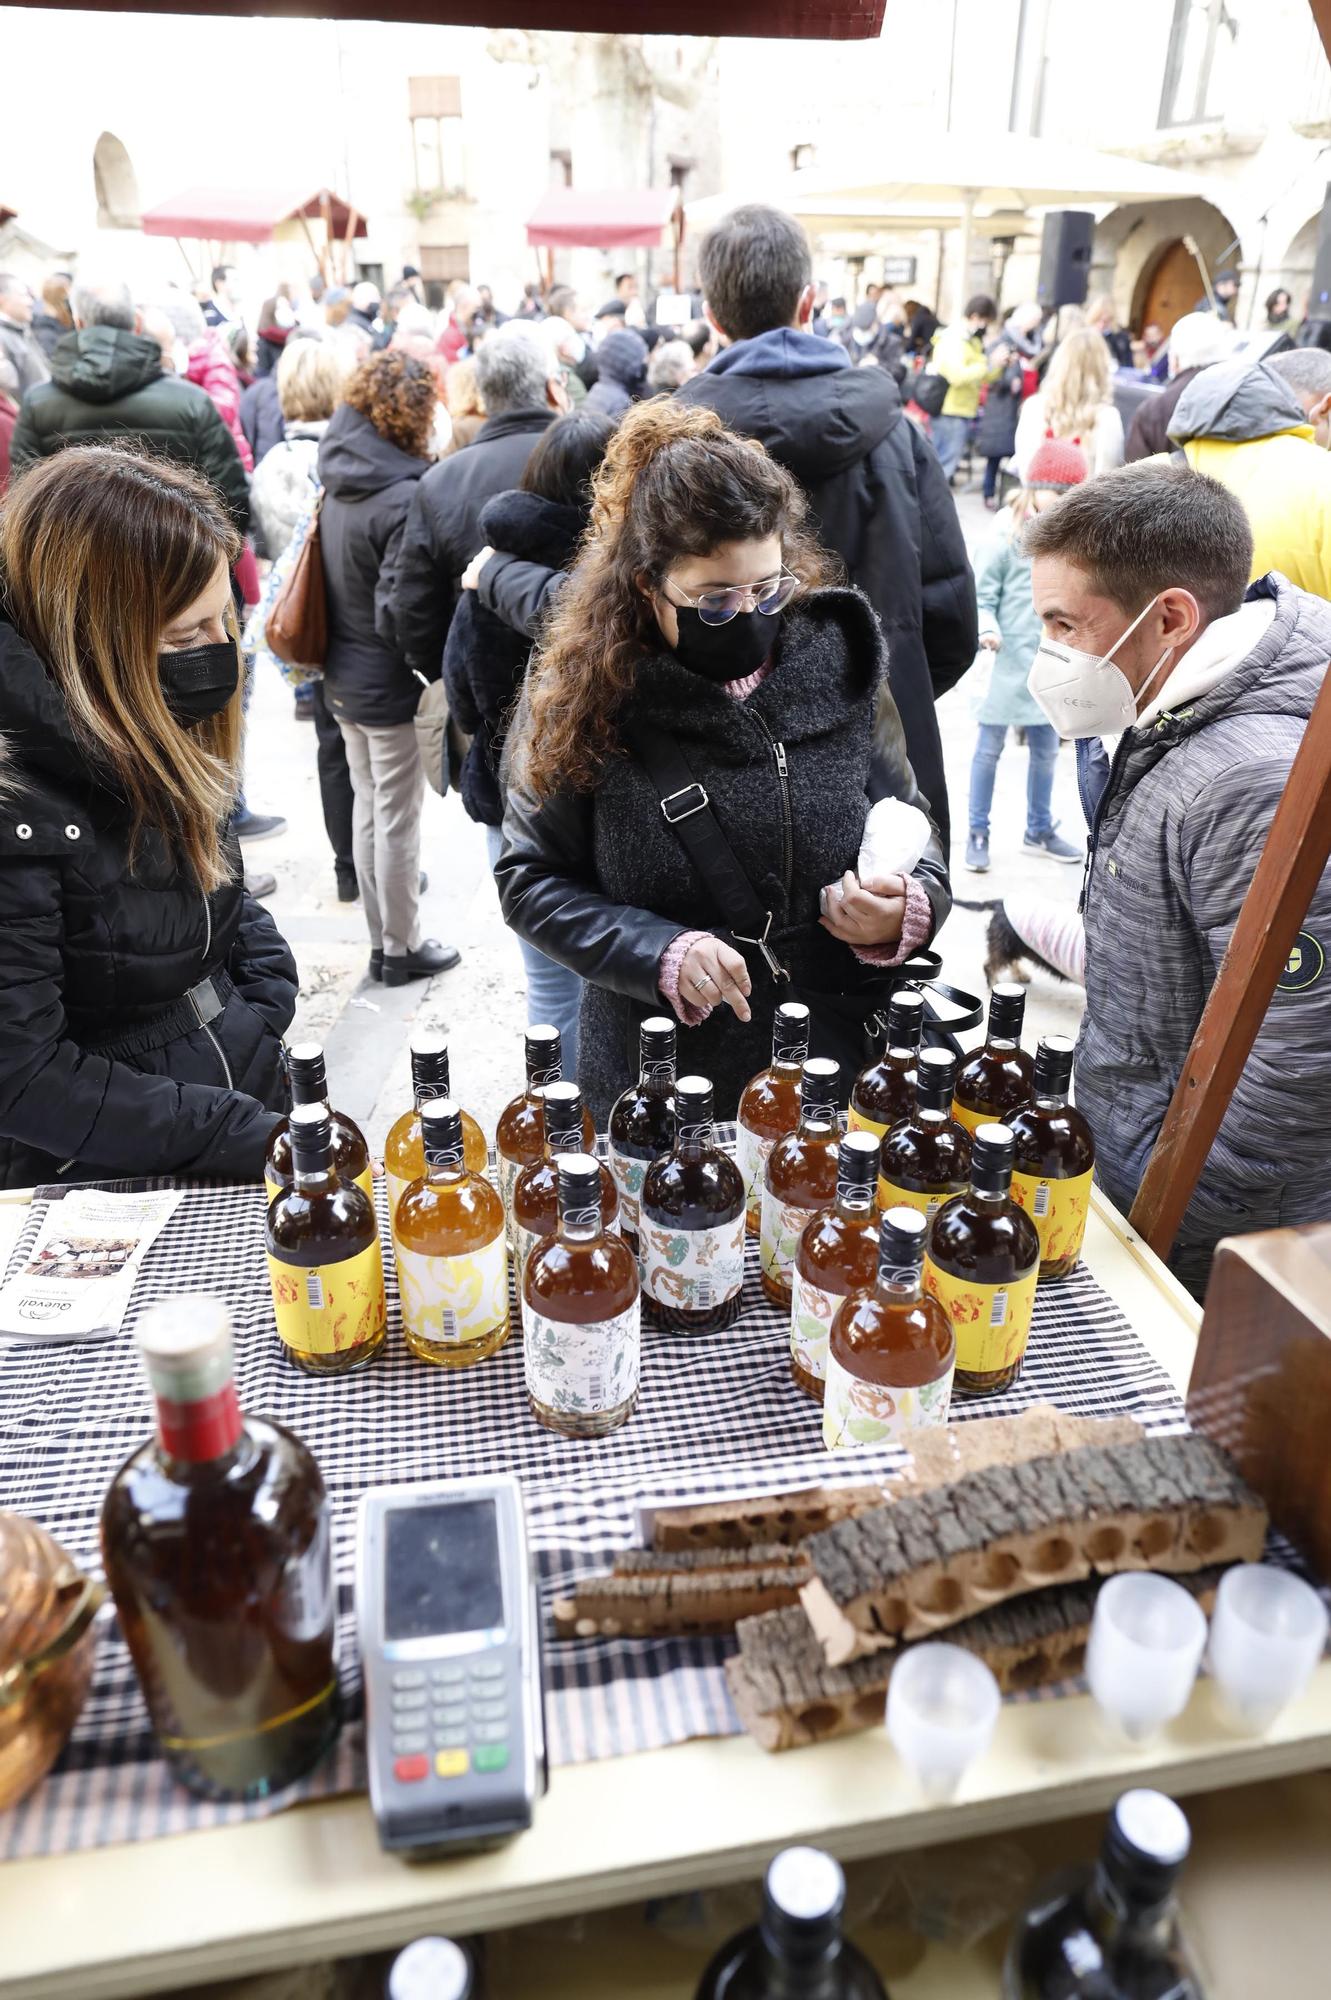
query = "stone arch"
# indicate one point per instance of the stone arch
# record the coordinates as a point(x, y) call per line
point(118, 204)
point(1144, 241)
point(1295, 269)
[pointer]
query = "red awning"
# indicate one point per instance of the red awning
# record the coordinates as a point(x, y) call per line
point(573, 218)
point(221, 215)
point(839, 20)
point(6, 214)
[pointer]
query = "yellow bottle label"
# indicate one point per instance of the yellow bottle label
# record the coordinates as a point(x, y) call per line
point(857, 1122)
point(450, 1301)
point(857, 1414)
point(892, 1196)
point(327, 1308)
point(972, 1120)
point(1059, 1209)
point(992, 1322)
point(365, 1182)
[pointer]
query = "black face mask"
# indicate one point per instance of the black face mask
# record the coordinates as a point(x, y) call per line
point(200, 682)
point(729, 652)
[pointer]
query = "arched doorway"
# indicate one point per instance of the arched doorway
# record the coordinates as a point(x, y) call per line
point(1170, 286)
point(118, 204)
point(1141, 256)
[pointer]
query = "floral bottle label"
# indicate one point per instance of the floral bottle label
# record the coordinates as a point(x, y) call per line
point(327, 1308)
point(508, 1180)
point(1058, 1208)
point(992, 1322)
point(583, 1370)
point(751, 1156)
point(782, 1227)
point(857, 1414)
point(692, 1270)
point(365, 1182)
point(449, 1301)
point(629, 1176)
point(812, 1311)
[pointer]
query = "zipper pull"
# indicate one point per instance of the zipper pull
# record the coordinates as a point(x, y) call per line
point(779, 752)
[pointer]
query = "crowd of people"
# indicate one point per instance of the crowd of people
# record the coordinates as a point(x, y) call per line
point(706, 572)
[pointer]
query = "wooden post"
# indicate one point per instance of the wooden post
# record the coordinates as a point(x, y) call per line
point(1283, 884)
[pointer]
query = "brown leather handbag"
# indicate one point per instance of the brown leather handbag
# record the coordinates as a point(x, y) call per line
point(296, 629)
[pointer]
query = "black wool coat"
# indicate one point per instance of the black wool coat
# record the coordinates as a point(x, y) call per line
point(368, 487)
point(92, 1086)
point(598, 881)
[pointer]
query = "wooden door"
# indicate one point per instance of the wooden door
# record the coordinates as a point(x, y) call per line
point(1174, 287)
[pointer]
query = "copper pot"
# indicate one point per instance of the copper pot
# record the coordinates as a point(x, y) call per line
point(47, 1643)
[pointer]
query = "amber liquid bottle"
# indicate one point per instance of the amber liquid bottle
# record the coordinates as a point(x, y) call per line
point(582, 1319)
point(324, 1260)
point(691, 1224)
point(892, 1350)
point(837, 1255)
point(217, 1548)
point(983, 1263)
point(309, 1085)
point(884, 1093)
point(926, 1159)
point(996, 1080)
point(1054, 1159)
point(643, 1122)
point(452, 1251)
point(770, 1105)
point(536, 1190)
point(404, 1154)
point(520, 1133)
point(800, 1177)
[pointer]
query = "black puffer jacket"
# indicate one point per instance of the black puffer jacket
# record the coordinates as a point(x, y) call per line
point(92, 1084)
point(599, 882)
point(368, 487)
point(485, 659)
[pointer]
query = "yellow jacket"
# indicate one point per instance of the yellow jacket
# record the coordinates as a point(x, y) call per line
point(958, 356)
point(1284, 482)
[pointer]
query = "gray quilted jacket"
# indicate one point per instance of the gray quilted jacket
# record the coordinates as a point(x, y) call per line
point(1177, 836)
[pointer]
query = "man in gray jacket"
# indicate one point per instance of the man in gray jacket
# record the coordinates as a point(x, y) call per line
point(1141, 582)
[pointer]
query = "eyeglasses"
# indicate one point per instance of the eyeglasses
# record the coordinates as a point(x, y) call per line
point(718, 607)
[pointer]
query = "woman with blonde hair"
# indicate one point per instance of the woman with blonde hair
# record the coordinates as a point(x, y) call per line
point(310, 375)
point(1075, 404)
point(462, 394)
point(143, 992)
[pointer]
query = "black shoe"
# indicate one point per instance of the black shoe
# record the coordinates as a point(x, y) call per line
point(376, 965)
point(258, 826)
point(348, 888)
point(261, 885)
point(428, 958)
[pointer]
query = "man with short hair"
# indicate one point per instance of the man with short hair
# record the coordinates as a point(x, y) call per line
point(1226, 289)
point(959, 357)
point(1197, 341)
point(1140, 579)
point(18, 342)
point(521, 386)
point(874, 484)
point(222, 306)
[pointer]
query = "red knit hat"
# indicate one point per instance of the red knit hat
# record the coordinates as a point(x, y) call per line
point(1057, 464)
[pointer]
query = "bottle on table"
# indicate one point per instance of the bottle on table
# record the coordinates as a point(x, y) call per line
point(691, 1224)
point(1111, 1931)
point(582, 1317)
point(404, 1155)
point(996, 1080)
point(217, 1548)
point(884, 1093)
point(520, 1133)
point(837, 1255)
point(982, 1267)
point(892, 1351)
point(926, 1159)
point(432, 1968)
point(770, 1104)
point(309, 1085)
point(452, 1251)
point(1054, 1154)
point(800, 1177)
point(642, 1122)
point(797, 1950)
point(536, 1189)
point(325, 1264)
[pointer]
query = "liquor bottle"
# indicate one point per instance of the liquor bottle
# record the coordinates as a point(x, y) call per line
point(217, 1547)
point(926, 1159)
point(324, 1260)
point(884, 1093)
point(642, 1123)
point(1054, 1159)
point(837, 1255)
point(892, 1350)
point(520, 1134)
point(404, 1155)
point(1111, 1931)
point(996, 1080)
point(796, 1951)
point(433, 1968)
point(309, 1085)
point(452, 1251)
point(800, 1178)
point(983, 1263)
point(770, 1105)
point(691, 1224)
point(582, 1324)
point(536, 1189)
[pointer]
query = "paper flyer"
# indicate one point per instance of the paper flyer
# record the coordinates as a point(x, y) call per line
point(77, 1279)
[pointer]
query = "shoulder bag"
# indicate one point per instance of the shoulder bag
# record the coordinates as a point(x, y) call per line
point(296, 628)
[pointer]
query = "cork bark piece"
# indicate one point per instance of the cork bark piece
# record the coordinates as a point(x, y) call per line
point(940, 1456)
point(695, 1562)
point(920, 1564)
point(777, 1517)
point(671, 1603)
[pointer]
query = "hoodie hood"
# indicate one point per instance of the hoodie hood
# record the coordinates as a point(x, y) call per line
point(538, 530)
point(35, 729)
point(623, 358)
point(100, 364)
point(836, 416)
point(355, 461)
point(1233, 403)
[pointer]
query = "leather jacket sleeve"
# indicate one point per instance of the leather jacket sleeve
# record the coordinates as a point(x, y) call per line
point(521, 593)
point(891, 777)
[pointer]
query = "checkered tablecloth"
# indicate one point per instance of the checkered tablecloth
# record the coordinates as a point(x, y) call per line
point(718, 1414)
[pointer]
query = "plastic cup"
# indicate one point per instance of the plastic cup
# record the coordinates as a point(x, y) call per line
point(1146, 1643)
point(1268, 1632)
point(942, 1705)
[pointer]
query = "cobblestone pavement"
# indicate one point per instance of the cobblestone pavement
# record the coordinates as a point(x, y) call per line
point(482, 1003)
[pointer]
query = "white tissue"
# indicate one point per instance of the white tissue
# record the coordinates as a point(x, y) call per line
point(895, 836)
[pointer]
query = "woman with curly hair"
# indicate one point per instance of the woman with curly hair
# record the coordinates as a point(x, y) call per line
point(703, 612)
point(373, 452)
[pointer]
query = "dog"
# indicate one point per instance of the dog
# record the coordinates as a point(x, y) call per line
point(1018, 927)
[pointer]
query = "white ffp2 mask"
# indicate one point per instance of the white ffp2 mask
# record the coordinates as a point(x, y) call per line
point(1085, 694)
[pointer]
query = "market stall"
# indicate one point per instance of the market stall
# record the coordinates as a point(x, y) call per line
point(221, 217)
